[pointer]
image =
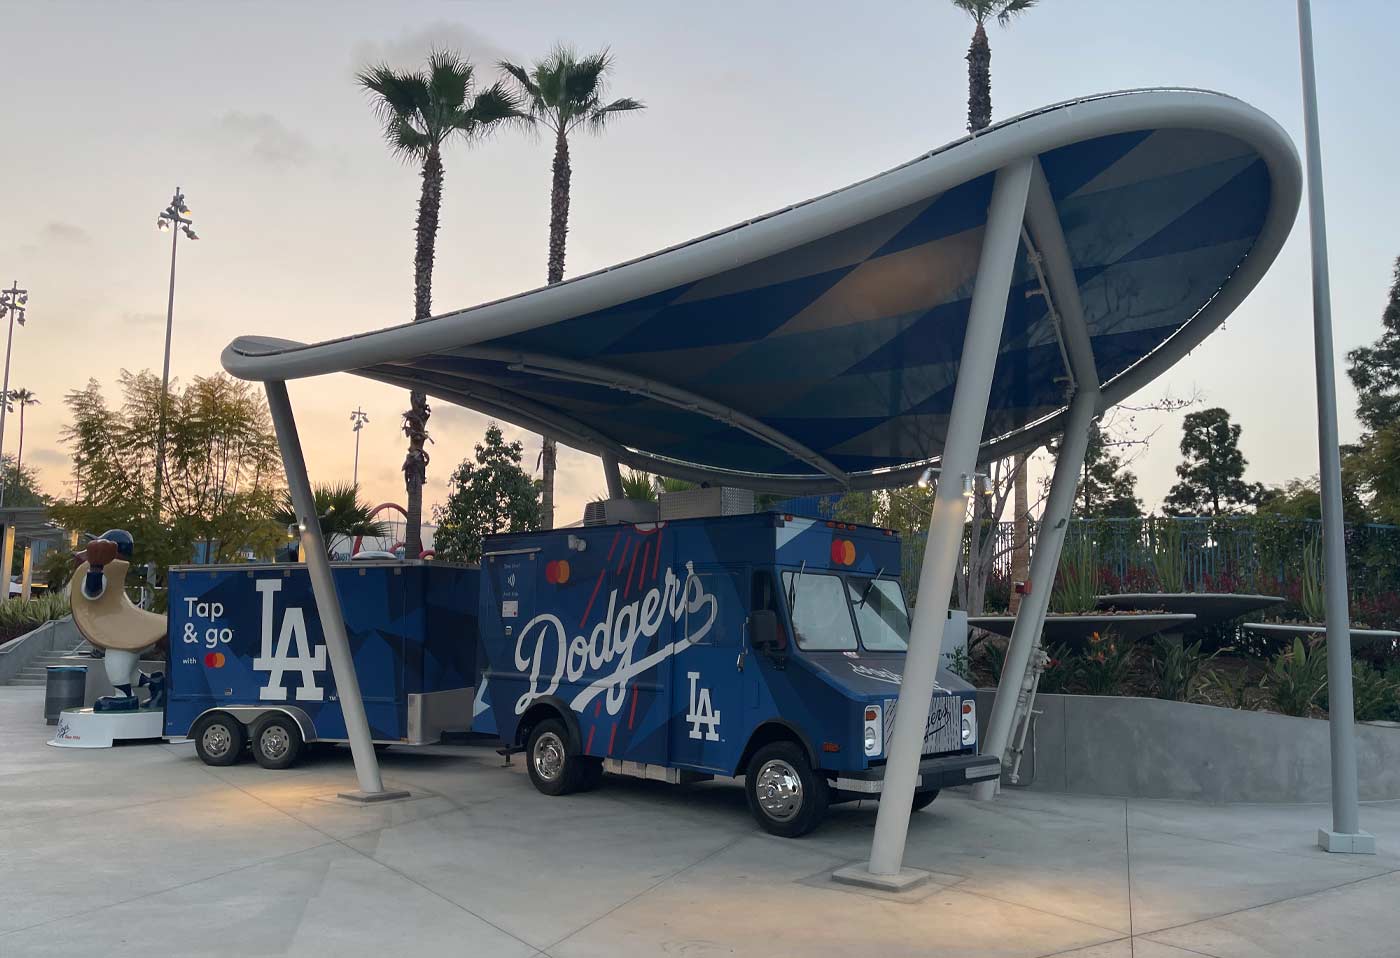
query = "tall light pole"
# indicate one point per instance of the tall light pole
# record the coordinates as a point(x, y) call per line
point(12, 303)
point(359, 418)
point(1345, 835)
point(175, 218)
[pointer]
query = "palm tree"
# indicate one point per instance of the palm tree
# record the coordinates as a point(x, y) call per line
point(565, 93)
point(422, 111)
point(22, 398)
point(341, 512)
point(979, 54)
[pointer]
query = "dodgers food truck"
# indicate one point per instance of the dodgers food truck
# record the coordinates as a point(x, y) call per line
point(766, 646)
point(248, 669)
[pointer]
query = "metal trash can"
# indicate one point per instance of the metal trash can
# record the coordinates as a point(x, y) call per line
point(67, 685)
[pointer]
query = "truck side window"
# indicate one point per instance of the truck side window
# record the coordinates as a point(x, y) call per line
point(820, 616)
point(710, 624)
point(764, 597)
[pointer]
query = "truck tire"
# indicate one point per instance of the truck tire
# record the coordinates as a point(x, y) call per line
point(277, 742)
point(219, 739)
point(554, 765)
point(923, 800)
point(785, 795)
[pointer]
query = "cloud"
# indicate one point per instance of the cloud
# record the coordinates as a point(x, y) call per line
point(142, 319)
point(46, 457)
point(408, 51)
point(266, 139)
point(64, 234)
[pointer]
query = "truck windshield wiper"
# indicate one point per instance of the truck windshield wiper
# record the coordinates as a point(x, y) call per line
point(792, 587)
point(864, 595)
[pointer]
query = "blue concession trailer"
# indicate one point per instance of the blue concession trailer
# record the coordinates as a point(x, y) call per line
point(248, 662)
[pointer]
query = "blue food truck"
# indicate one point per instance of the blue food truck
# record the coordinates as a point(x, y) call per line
point(769, 646)
point(248, 667)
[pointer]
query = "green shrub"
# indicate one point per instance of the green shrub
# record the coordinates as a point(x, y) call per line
point(959, 664)
point(1375, 694)
point(1229, 688)
point(1313, 598)
point(1103, 667)
point(1060, 669)
point(1296, 678)
point(1177, 667)
point(1168, 557)
point(1076, 587)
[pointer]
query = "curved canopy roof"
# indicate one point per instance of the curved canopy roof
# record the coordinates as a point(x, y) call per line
point(817, 347)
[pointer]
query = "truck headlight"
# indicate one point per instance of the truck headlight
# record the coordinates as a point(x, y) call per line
point(874, 730)
point(969, 723)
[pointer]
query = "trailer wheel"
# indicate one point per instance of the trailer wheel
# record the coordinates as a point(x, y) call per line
point(923, 800)
point(785, 795)
point(277, 742)
point(555, 767)
point(219, 739)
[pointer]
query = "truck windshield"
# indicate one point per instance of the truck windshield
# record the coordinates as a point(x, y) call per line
point(820, 616)
point(880, 614)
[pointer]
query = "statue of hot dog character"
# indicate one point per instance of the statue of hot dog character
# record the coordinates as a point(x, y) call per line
point(109, 621)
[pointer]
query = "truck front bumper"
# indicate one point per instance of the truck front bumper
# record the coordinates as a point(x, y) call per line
point(942, 771)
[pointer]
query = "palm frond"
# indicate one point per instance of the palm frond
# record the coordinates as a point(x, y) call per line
point(979, 10)
point(598, 119)
point(585, 82)
point(406, 140)
point(496, 104)
point(450, 80)
point(1013, 8)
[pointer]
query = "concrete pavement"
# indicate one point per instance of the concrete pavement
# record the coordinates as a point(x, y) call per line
point(143, 850)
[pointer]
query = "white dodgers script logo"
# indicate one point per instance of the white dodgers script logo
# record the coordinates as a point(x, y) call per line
point(701, 711)
point(283, 657)
point(611, 643)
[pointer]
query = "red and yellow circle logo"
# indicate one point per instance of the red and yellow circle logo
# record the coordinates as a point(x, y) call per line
point(214, 660)
point(556, 572)
point(843, 552)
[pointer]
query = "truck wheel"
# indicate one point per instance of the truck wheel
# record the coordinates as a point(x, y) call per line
point(277, 742)
point(785, 795)
point(555, 768)
point(923, 800)
point(219, 739)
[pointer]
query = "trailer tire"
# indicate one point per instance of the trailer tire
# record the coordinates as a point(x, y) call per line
point(219, 739)
point(793, 798)
point(555, 766)
point(923, 800)
point(277, 742)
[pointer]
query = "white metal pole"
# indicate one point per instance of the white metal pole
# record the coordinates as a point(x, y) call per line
point(327, 600)
point(1030, 618)
point(4, 404)
point(165, 368)
point(958, 461)
point(1345, 834)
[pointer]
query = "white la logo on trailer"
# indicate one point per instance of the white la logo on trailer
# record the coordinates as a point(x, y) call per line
point(279, 660)
point(702, 711)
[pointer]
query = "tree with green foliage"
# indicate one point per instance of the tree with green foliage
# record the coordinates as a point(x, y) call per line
point(1302, 498)
point(222, 471)
point(21, 485)
point(979, 54)
point(342, 513)
point(1375, 372)
point(1106, 489)
point(638, 485)
point(422, 111)
point(490, 494)
point(565, 92)
point(1212, 475)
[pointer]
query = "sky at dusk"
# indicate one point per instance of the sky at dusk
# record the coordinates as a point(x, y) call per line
point(306, 221)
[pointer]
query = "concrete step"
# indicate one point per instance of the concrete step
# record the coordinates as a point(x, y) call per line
point(21, 680)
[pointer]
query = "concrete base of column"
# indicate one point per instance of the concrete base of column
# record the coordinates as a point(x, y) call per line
point(370, 798)
point(1344, 843)
point(861, 875)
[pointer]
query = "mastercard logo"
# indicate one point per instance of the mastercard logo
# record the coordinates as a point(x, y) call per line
point(556, 572)
point(843, 552)
point(214, 660)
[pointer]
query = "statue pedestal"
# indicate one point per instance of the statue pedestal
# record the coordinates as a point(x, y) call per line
point(84, 728)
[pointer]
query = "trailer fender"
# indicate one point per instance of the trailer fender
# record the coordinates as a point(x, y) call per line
point(548, 706)
point(250, 714)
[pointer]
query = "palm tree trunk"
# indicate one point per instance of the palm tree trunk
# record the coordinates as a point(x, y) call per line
point(979, 81)
point(415, 420)
point(558, 237)
point(19, 454)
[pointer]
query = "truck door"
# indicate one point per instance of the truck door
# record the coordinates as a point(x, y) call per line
point(707, 712)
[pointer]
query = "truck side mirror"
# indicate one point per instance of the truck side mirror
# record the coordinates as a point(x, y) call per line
point(763, 631)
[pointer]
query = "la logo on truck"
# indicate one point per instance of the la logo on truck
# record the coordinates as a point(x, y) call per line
point(291, 652)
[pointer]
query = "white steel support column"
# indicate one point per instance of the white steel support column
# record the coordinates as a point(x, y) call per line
point(327, 601)
point(26, 573)
point(958, 461)
point(1345, 835)
point(613, 474)
point(1030, 618)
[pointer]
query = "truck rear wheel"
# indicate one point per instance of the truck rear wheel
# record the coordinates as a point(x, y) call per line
point(277, 742)
point(219, 739)
point(555, 767)
point(785, 795)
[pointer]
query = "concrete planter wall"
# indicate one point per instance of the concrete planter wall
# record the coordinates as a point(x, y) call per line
point(1151, 748)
